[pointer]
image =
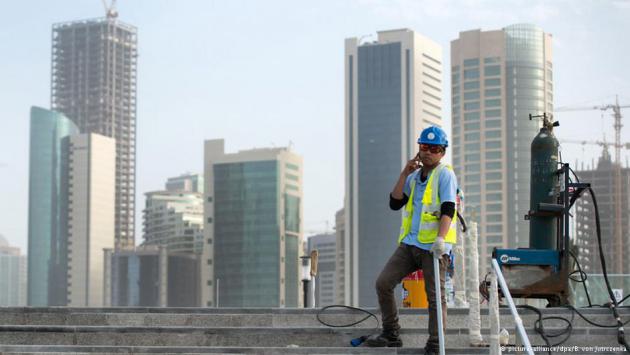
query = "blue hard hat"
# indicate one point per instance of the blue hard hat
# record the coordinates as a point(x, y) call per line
point(433, 135)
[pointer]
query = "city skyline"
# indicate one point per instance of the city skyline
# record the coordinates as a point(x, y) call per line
point(271, 116)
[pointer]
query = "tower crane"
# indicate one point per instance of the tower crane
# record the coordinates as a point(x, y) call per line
point(110, 9)
point(616, 108)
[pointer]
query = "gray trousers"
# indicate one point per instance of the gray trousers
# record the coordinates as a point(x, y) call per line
point(405, 260)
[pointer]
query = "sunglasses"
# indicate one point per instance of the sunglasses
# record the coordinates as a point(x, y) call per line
point(432, 148)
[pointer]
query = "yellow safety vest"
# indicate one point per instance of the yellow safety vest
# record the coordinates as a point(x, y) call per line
point(430, 217)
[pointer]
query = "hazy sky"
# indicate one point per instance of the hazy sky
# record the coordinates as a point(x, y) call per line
point(266, 73)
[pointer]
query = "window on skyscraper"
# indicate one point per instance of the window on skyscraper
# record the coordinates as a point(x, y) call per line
point(492, 70)
point(471, 106)
point(493, 92)
point(470, 85)
point(493, 82)
point(470, 74)
point(471, 95)
point(471, 62)
point(471, 126)
point(493, 103)
point(471, 116)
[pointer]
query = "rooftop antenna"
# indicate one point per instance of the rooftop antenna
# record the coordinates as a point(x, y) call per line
point(110, 9)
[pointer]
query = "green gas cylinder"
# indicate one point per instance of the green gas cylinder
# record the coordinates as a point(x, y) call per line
point(544, 164)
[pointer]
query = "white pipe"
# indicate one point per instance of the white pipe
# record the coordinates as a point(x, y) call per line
point(474, 315)
point(493, 303)
point(438, 300)
point(460, 269)
point(517, 319)
point(313, 292)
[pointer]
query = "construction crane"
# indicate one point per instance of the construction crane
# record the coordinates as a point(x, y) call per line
point(599, 143)
point(616, 108)
point(110, 9)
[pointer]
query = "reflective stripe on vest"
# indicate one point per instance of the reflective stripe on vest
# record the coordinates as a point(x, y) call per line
point(430, 216)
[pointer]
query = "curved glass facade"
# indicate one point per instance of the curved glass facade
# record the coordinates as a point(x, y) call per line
point(48, 129)
point(525, 94)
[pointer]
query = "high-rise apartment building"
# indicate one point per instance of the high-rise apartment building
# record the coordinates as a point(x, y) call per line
point(498, 78)
point(393, 89)
point(94, 70)
point(12, 275)
point(253, 227)
point(90, 223)
point(46, 205)
point(173, 218)
point(325, 284)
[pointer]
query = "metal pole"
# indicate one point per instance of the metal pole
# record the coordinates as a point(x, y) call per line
point(438, 300)
point(305, 289)
point(517, 319)
point(217, 302)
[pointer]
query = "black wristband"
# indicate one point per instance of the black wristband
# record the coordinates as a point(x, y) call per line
point(395, 204)
point(447, 209)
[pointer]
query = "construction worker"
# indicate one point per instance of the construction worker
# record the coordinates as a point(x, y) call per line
point(427, 189)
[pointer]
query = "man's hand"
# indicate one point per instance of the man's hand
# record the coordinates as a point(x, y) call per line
point(439, 248)
point(411, 166)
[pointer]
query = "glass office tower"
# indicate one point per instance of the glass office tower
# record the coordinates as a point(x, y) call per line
point(393, 91)
point(253, 227)
point(46, 202)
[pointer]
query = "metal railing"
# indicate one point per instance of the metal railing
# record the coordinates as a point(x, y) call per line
point(520, 329)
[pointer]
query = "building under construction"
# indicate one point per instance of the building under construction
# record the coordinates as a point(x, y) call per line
point(94, 70)
point(602, 179)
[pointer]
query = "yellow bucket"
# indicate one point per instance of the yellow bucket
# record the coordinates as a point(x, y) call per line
point(414, 294)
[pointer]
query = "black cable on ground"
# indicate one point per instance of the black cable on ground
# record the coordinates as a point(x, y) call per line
point(592, 322)
point(621, 339)
point(357, 341)
point(540, 328)
point(369, 314)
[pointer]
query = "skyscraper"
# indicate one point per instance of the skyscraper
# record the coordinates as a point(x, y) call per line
point(498, 78)
point(393, 90)
point(94, 84)
point(90, 210)
point(253, 227)
point(46, 204)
